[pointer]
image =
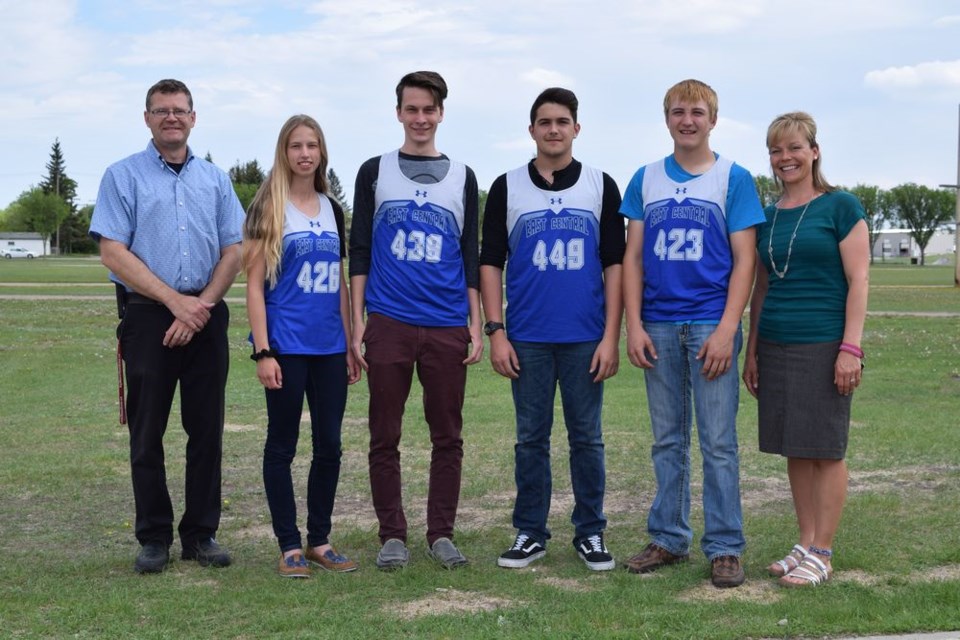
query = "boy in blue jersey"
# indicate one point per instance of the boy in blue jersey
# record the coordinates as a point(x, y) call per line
point(558, 222)
point(413, 266)
point(687, 275)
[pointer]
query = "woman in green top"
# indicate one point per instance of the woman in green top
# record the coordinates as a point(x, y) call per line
point(803, 359)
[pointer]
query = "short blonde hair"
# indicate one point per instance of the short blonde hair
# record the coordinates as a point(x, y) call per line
point(802, 123)
point(691, 91)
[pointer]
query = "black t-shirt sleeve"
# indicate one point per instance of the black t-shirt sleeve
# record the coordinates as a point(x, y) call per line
point(361, 229)
point(613, 241)
point(469, 239)
point(494, 248)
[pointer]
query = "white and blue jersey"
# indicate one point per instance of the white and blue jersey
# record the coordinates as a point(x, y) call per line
point(303, 309)
point(554, 275)
point(687, 259)
point(416, 272)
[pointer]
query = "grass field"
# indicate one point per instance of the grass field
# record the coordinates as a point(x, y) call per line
point(66, 503)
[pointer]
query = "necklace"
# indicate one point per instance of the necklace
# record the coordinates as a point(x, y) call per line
point(786, 265)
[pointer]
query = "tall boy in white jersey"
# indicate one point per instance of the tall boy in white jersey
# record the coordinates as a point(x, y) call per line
point(414, 267)
point(558, 222)
point(687, 275)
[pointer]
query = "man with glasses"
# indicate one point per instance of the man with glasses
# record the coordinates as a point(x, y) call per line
point(169, 228)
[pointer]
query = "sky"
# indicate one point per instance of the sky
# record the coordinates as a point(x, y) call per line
point(881, 77)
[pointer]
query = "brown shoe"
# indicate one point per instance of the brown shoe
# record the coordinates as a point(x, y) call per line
point(293, 567)
point(651, 559)
point(330, 560)
point(726, 571)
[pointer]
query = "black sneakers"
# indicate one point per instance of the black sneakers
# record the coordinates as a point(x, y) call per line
point(594, 553)
point(524, 551)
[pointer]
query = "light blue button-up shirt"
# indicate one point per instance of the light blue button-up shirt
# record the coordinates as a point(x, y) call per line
point(177, 224)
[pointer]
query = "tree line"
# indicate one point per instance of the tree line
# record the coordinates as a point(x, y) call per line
point(919, 209)
point(50, 208)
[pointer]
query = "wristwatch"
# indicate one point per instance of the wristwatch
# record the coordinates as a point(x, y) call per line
point(492, 327)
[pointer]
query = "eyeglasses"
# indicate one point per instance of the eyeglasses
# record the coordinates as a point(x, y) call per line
point(179, 114)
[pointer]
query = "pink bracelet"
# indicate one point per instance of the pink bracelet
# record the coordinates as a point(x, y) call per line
point(851, 349)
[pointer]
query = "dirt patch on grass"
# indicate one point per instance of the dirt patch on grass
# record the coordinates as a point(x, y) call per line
point(946, 573)
point(857, 576)
point(448, 602)
point(755, 591)
point(255, 532)
point(566, 584)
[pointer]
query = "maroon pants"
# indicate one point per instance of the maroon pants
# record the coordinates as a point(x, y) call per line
point(393, 350)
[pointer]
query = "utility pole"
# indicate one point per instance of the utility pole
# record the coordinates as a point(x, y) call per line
point(956, 225)
point(59, 252)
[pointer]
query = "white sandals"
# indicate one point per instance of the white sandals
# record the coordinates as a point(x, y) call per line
point(790, 562)
point(811, 570)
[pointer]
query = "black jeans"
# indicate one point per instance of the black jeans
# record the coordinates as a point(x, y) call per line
point(153, 372)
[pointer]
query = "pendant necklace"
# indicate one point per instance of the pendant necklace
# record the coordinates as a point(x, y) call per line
point(786, 265)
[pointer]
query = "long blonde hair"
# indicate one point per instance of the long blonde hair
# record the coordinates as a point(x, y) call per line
point(263, 227)
point(804, 124)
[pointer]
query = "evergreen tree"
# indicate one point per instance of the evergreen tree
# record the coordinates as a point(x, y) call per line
point(336, 190)
point(58, 183)
point(247, 173)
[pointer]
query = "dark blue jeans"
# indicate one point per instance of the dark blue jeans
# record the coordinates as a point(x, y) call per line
point(323, 380)
point(542, 367)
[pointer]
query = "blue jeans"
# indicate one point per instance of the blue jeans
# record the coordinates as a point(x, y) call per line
point(670, 384)
point(542, 367)
point(323, 380)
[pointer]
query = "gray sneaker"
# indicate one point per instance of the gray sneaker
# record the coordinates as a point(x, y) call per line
point(444, 552)
point(393, 555)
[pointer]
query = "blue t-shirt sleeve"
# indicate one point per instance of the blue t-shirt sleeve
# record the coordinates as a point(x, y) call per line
point(743, 203)
point(632, 204)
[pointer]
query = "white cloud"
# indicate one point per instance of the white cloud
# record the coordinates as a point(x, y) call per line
point(926, 74)
point(947, 21)
point(543, 78)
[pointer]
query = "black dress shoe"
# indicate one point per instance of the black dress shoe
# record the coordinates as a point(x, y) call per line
point(153, 558)
point(207, 553)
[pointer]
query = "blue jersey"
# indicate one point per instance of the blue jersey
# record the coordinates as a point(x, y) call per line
point(554, 275)
point(416, 270)
point(303, 309)
point(687, 220)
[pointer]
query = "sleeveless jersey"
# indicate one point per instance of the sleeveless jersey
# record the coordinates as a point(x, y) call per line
point(554, 274)
point(303, 310)
point(686, 248)
point(416, 267)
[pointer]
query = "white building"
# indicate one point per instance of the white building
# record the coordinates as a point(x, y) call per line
point(29, 240)
point(897, 243)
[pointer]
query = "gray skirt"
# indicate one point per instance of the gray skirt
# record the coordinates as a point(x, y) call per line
point(801, 413)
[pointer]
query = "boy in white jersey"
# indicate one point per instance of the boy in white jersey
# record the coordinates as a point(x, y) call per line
point(558, 222)
point(413, 266)
point(687, 275)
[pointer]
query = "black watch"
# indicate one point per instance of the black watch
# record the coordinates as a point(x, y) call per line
point(492, 327)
